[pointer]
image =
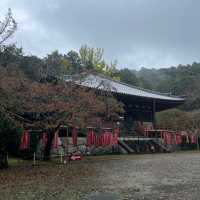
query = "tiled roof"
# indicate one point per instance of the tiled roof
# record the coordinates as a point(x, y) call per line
point(107, 84)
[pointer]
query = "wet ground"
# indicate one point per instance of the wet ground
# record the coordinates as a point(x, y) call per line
point(147, 177)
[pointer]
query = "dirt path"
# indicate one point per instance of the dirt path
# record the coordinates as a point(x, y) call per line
point(158, 176)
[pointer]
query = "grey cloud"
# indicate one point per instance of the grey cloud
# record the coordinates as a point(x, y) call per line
point(135, 32)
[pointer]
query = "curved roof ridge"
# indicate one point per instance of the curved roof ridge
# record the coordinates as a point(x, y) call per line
point(95, 80)
point(136, 87)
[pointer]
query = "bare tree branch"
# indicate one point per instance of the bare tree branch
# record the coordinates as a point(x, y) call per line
point(7, 27)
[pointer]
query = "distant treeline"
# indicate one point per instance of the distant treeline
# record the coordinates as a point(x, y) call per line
point(180, 80)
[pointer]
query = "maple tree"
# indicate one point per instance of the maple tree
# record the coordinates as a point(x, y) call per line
point(45, 102)
point(47, 105)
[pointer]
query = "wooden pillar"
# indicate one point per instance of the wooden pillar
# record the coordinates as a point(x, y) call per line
point(154, 114)
point(197, 142)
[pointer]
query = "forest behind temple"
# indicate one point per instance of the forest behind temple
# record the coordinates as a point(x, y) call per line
point(181, 80)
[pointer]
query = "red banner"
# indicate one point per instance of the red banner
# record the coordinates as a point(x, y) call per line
point(178, 138)
point(167, 138)
point(74, 136)
point(25, 141)
point(104, 139)
point(43, 140)
point(56, 141)
point(193, 139)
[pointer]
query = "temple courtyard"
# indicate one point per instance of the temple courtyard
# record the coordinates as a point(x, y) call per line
point(127, 177)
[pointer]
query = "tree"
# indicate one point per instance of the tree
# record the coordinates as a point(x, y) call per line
point(92, 58)
point(8, 131)
point(7, 27)
point(55, 103)
point(10, 55)
point(127, 76)
point(54, 63)
point(179, 120)
point(33, 67)
point(74, 62)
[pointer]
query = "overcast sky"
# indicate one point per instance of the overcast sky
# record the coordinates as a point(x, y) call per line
point(138, 33)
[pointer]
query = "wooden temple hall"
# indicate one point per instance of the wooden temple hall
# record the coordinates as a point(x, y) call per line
point(140, 105)
point(122, 135)
point(137, 127)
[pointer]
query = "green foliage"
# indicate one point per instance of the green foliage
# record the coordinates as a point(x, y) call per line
point(179, 120)
point(171, 118)
point(92, 58)
point(9, 134)
point(74, 63)
point(181, 80)
point(33, 67)
point(55, 64)
point(10, 55)
point(127, 76)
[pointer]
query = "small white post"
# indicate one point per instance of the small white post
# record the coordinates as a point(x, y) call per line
point(61, 157)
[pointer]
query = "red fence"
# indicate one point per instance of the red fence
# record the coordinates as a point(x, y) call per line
point(172, 137)
point(103, 139)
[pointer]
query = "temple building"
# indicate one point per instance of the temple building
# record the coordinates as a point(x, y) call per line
point(139, 104)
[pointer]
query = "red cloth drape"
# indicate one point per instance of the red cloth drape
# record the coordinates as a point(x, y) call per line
point(25, 141)
point(112, 139)
point(193, 139)
point(44, 139)
point(90, 138)
point(93, 137)
point(74, 136)
point(104, 139)
point(56, 141)
point(178, 138)
point(167, 138)
point(107, 138)
point(162, 135)
point(116, 135)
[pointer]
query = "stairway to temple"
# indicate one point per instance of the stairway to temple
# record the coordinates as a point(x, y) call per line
point(130, 145)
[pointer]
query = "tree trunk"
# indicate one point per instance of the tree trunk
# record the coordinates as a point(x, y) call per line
point(51, 133)
point(48, 146)
point(3, 160)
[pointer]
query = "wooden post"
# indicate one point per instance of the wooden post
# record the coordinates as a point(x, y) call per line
point(34, 159)
point(153, 113)
point(197, 142)
point(7, 156)
point(68, 144)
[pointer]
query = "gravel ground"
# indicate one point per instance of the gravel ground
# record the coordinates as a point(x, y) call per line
point(135, 177)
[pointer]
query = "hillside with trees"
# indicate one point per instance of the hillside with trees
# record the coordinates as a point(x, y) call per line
point(180, 80)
